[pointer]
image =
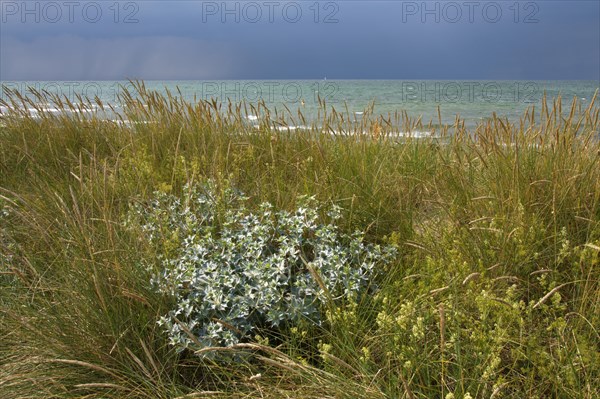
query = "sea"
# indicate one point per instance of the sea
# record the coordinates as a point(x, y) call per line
point(472, 100)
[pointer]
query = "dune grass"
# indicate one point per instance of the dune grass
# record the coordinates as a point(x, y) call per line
point(495, 291)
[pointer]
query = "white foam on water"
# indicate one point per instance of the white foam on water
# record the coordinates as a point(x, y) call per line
point(129, 123)
point(51, 110)
point(397, 134)
point(291, 128)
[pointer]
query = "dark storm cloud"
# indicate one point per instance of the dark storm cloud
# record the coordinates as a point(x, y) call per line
point(270, 40)
point(148, 57)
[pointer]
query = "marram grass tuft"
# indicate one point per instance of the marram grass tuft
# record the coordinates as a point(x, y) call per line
point(494, 293)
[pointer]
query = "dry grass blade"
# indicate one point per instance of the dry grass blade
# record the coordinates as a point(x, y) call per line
point(203, 394)
point(85, 365)
point(470, 277)
point(406, 387)
point(140, 364)
point(549, 294)
point(101, 385)
point(594, 247)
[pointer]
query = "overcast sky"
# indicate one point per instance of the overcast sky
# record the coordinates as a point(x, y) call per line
point(106, 40)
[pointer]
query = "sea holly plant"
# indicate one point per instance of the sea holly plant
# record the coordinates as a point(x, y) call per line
point(232, 271)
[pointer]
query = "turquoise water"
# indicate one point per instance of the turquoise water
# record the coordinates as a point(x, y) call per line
point(472, 100)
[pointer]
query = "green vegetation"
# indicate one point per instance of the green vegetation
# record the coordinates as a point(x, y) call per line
point(494, 291)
